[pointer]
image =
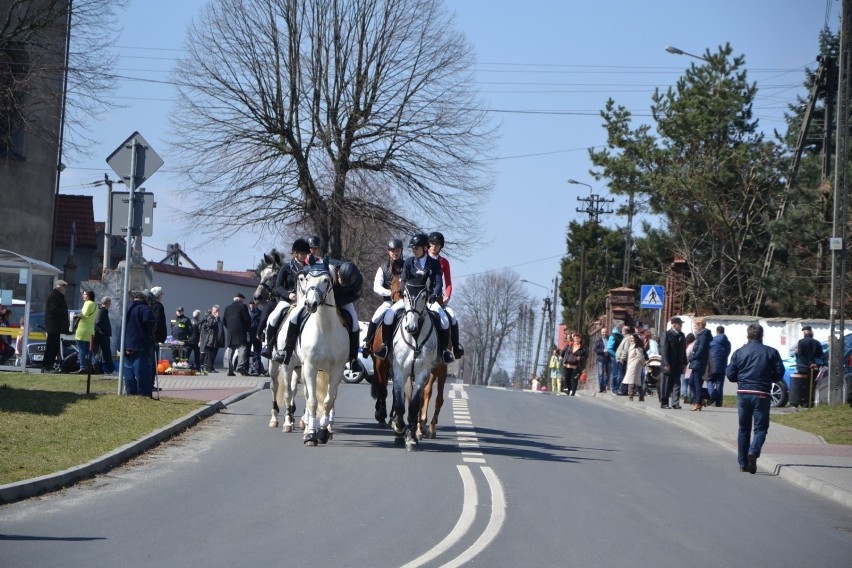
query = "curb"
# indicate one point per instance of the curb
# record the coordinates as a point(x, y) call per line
point(20, 490)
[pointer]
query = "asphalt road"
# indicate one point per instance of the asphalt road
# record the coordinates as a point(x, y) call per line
point(514, 479)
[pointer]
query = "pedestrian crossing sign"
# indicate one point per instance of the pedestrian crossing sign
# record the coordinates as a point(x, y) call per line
point(652, 296)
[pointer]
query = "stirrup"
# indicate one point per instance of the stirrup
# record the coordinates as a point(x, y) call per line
point(282, 356)
point(366, 350)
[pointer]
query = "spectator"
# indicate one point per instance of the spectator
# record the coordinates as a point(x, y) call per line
point(673, 360)
point(155, 297)
point(574, 362)
point(86, 330)
point(6, 349)
point(602, 356)
point(55, 323)
point(621, 358)
point(720, 350)
point(612, 345)
point(808, 357)
point(686, 378)
point(212, 338)
point(181, 326)
point(138, 346)
point(555, 365)
point(754, 367)
point(237, 323)
point(699, 361)
point(192, 342)
point(636, 357)
point(103, 336)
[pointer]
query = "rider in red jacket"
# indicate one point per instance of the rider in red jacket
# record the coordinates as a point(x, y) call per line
point(436, 245)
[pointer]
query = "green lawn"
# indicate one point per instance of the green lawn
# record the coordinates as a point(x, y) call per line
point(48, 423)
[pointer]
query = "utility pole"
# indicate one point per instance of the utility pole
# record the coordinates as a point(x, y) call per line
point(594, 208)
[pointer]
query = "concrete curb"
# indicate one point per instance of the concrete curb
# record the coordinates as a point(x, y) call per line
point(12, 492)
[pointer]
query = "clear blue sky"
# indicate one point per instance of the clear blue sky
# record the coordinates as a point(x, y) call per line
point(546, 69)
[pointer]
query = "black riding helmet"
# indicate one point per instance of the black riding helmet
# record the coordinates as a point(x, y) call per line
point(394, 244)
point(348, 273)
point(419, 240)
point(436, 238)
point(301, 245)
point(314, 242)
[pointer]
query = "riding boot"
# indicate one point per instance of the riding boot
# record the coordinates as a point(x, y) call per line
point(443, 343)
point(458, 350)
point(367, 347)
point(387, 337)
point(353, 344)
point(284, 355)
point(270, 341)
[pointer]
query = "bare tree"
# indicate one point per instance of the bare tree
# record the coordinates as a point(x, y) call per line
point(488, 309)
point(43, 68)
point(285, 105)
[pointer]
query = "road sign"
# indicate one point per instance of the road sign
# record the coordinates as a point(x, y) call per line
point(147, 160)
point(143, 214)
point(652, 296)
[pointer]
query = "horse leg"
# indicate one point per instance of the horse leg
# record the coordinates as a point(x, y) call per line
point(415, 398)
point(439, 402)
point(310, 378)
point(424, 406)
point(326, 391)
point(276, 385)
point(289, 395)
point(398, 412)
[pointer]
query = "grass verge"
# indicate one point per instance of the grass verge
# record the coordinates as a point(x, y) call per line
point(48, 423)
point(833, 423)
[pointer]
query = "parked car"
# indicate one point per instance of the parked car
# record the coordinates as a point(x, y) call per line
point(66, 360)
point(363, 367)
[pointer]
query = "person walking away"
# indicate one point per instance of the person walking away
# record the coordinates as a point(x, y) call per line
point(613, 342)
point(103, 336)
point(237, 323)
point(808, 356)
point(193, 352)
point(55, 324)
point(673, 361)
point(636, 358)
point(754, 367)
point(86, 330)
point(720, 350)
point(602, 357)
point(621, 358)
point(574, 362)
point(138, 347)
point(555, 365)
point(160, 332)
point(699, 361)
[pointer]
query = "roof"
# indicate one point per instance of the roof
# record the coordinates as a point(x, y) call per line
point(227, 277)
point(77, 209)
point(9, 259)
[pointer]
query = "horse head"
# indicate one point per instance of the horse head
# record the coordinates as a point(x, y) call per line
point(316, 285)
point(267, 278)
point(415, 308)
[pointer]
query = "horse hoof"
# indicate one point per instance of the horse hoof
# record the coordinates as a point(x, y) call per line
point(310, 439)
point(287, 428)
point(432, 434)
point(322, 435)
point(399, 441)
point(273, 423)
point(411, 445)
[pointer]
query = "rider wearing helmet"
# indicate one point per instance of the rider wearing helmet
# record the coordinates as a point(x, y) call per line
point(436, 245)
point(285, 289)
point(381, 286)
point(424, 270)
point(347, 289)
point(315, 244)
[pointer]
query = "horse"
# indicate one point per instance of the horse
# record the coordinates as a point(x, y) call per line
point(382, 367)
point(439, 376)
point(323, 348)
point(415, 354)
point(268, 275)
point(284, 379)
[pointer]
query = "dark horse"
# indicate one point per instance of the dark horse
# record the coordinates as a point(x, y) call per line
point(382, 367)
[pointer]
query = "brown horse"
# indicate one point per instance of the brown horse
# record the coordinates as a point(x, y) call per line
point(439, 375)
point(382, 367)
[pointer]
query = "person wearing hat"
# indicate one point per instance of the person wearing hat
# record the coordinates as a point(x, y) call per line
point(809, 355)
point(138, 347)
point(382, 282)
point(673, 361)
point(181, 325)
point(237, 323)
point(55, 323)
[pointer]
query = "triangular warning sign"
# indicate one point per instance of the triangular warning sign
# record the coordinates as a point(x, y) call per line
point(652, 298)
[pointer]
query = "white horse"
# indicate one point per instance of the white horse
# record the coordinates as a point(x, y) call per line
point(285, 382)
point(415, 353)
point(323, 348)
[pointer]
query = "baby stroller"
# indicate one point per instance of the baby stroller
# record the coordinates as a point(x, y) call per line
point(652, 374)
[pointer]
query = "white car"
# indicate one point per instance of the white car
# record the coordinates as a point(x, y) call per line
point(363, 368)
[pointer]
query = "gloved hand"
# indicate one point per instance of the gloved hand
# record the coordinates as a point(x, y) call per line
point(433, 298)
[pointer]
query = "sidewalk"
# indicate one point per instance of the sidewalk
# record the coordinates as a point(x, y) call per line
point(216, 389)
point(799, 457)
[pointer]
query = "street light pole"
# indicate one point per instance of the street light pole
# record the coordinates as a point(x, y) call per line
point(676, 51)
point(545, 312)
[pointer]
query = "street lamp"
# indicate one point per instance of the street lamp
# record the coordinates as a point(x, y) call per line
point(676, 51)
point(575, 182)
point(545, 313)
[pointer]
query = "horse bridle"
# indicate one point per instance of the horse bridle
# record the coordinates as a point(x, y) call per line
point(421, 314)
point(322, 294)
point(270, 289)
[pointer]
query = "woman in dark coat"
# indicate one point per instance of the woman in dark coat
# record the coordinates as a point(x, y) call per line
point(574, 361)
point(55, 323)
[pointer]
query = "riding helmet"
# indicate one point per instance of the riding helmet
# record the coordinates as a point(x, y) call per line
point(436, 238)
point(347, 272)
point(394, 244)
point(301, 245)
point(419, 240)
point(314, 242)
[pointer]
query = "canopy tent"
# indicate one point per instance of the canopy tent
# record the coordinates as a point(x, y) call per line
point(19, 277)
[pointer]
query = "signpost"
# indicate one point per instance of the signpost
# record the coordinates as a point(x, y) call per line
point(134, 161)
point(653, 297)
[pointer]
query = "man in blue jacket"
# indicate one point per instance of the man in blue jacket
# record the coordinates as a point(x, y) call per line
point(612, 343)
point(699, 360)
point(754, 367)
point(138, 347)
point(720, 350)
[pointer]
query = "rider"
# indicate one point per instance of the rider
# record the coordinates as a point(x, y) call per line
point(315, 244)
point(381, 286)
point(423, 270)
point(347, 289)
point(436, 245)
point(285, 289)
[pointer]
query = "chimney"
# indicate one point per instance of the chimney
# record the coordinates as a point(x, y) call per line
point(219, 266)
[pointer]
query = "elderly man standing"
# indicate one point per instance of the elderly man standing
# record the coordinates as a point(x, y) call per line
point(699, 360)
point(754, 367)
point(673, 361)
point(237, 323)
point(55, 323)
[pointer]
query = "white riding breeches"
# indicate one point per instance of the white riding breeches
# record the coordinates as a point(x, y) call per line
point(294, 317)
point(276, 313)
point(380, 311)
point(436, 307)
